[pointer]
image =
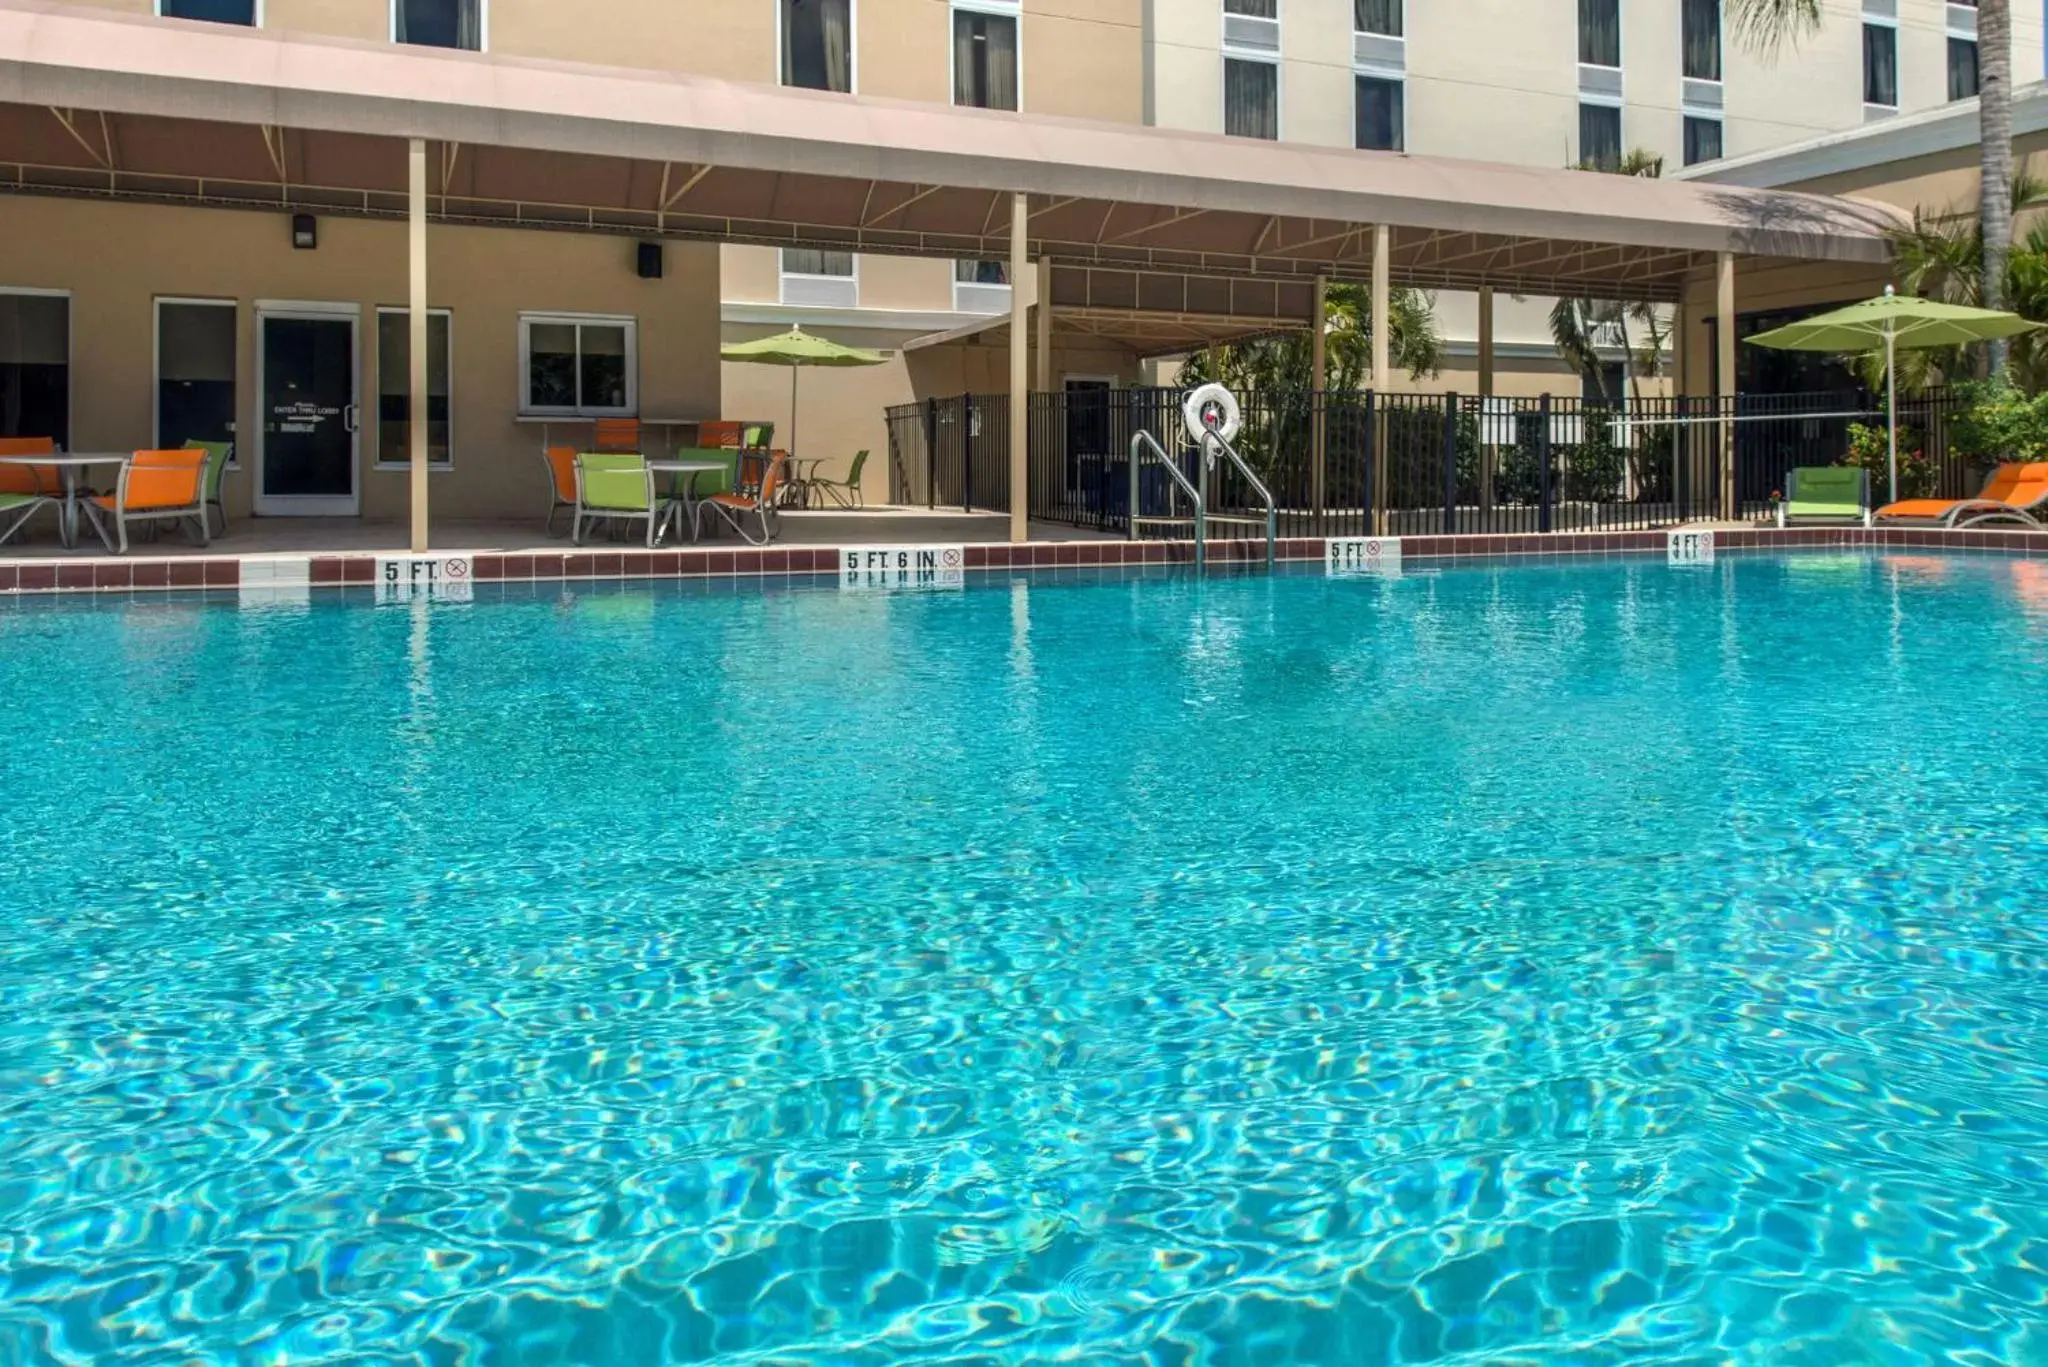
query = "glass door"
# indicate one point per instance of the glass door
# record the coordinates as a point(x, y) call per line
point(306, 376)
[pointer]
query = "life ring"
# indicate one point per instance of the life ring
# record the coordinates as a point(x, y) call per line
point(1211, 409)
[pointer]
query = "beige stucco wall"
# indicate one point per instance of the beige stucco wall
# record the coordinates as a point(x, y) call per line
point(116, 259)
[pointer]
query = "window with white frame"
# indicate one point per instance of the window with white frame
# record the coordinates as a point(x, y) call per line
point(195, 372)
point(394, 387)
point(1382, 17)
point(1379, 86)
point(987, 56)
point(1600, 33)
point(817, 43)
point(212, 11)
point(820, 279)
point(981, 286)
point(1379, 114)
point(35, 364)
point(1600, 137)
point(1964, 79)
point(1700, 39)
point(439, 23)
point(1251, 98)
point(1880, 62)
point(578, 365)
point(1702, 140)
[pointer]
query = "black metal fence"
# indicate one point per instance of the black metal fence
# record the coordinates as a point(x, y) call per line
point(1423, 463)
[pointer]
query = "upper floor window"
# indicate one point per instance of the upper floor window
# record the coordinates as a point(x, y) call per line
point(1702, 140)
point(1376, 16)
point(439, 23)
point(819, 279)
point(1253, 9)
point(1701, 38)
point(817, 44)
point(1962, 68)
point(1251, 98)
point(1379, 114)
point(1600, 137)
point(215, 11)
point(1600, 32)
point(984, 59)
point(1880, 65)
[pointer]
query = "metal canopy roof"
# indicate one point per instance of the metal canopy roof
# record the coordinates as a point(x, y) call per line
point(94, 102)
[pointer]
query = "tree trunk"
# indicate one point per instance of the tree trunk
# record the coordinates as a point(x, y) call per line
point(1994, 66)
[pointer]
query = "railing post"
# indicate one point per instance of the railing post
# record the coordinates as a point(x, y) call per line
point(1543, 463)
point(931, 452)
point(1372, 463)
point(1131, 510)
point(967, 453)
point(1450, 463)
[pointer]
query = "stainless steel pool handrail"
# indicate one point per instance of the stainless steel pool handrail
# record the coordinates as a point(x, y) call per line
point(1140, 440)
point(1258, 486)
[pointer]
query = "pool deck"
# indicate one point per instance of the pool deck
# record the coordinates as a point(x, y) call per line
point(330, 552)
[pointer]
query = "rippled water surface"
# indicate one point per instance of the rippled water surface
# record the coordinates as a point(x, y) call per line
point(1607, 963)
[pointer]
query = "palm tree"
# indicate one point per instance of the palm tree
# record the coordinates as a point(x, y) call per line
point(1283, 363)
point(1941, 256)
point(1768, 24)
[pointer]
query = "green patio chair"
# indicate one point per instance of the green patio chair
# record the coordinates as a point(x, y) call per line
point(1825, 493)
point(844, 492)
point(17, 509)
point(218, 454)
point(698, 484)
point(616, 486)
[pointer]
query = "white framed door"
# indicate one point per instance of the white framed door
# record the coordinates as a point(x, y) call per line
point(309, 418)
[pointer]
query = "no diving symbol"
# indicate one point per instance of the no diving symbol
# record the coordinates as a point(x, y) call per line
point(455, 569)
point(950, 558)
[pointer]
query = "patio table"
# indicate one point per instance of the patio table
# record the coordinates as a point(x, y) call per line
point(68, 464)
point(692, 468)
point(798, 490)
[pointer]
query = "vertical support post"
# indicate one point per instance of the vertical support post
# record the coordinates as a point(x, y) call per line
point(1678, 391)
point(1020, 373)
point(1382, 328)
point(967, 456)
point(1318, 386)
point(416, 302)
point(931, 453)
point(1724, 379)
point(1450, 463)
point(1043, 304)
point(1486, 456)
point(1543, 463)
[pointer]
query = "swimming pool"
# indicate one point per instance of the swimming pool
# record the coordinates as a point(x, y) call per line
point(1559, 964)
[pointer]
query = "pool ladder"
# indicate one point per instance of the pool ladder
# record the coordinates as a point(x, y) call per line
point(1197, 492)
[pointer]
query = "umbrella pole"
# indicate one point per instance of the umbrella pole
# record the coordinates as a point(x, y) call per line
point(792, 415)
point(1891, 403)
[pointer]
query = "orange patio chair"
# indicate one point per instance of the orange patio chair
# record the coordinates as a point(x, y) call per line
point(41, 480)
point(156, 486)
point(618, 434)
point(561, 462)
point(758, 502)
point(718, 436)
point(2013, 491)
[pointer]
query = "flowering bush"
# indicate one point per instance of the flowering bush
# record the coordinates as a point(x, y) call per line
point(1870, 449)
point(1999, 423)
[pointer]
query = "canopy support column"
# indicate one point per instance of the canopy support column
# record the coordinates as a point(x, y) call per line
point(1486, 341)
point(1044, 322)
point(1020, 372)
point(1318, 386)
point(416, 401)
point(1382, 328)
point(1724, 375)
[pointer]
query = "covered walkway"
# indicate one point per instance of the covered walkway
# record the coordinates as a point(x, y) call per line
point(1109, 219)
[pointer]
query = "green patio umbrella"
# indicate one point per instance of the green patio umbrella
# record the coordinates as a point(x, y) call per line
point(1892, 321)
point(796, 349)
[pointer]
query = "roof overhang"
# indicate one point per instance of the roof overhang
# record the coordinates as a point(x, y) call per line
point(94, 102)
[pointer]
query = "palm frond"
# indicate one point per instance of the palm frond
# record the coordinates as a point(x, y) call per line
point(1768, 27)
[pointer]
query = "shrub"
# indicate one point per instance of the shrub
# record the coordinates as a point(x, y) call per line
point(1870, 449)
point(1997, 422)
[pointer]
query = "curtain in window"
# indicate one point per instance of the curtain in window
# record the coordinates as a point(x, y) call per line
point(817, 49)
point(985, 60)
point(1379, 114)
point(1600, 32)
point(982, 272)
point(441, 23)
point(835, 25)
point(1880, 65)
point(1253, 9)
point(1962, 69)
point(469, 25)
point(1251, 99)
point(807, 261)
point(1702, 140)
point(1599, 137)
point(1702, 37)
point(1377, 16)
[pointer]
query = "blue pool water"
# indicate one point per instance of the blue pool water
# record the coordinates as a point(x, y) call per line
point(1607, 963)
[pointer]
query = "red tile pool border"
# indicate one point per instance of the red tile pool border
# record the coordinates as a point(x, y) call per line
point(107, 574)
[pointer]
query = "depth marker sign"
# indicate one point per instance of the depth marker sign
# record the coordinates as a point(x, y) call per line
point(1369, 555)
point(902, 567)
point(444, 578)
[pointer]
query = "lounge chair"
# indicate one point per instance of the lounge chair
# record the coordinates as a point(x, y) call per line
point(155, 486)
point(616, 485)
point(844, 492)
point(1825, 493)
point(218, 454)
point(756, 501)
point(561, 463)
point(2013, 491)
